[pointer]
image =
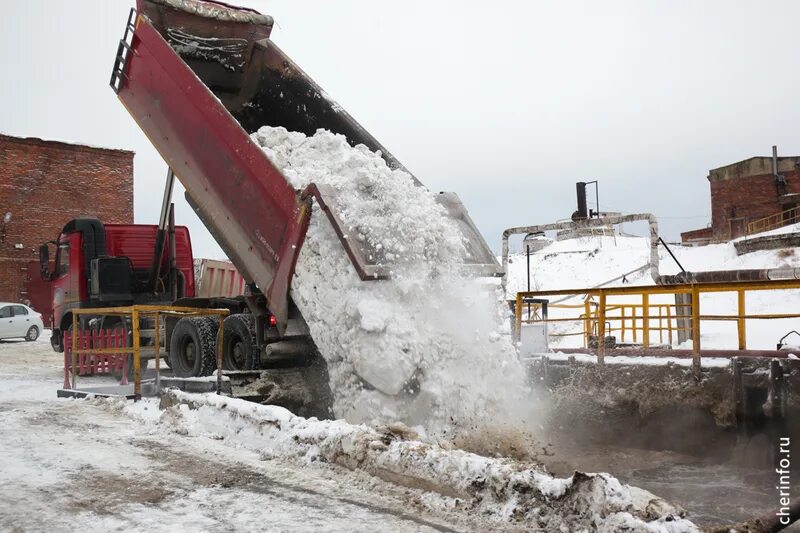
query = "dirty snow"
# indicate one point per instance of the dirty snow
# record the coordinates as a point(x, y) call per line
point(229, 465)
point(425, 347)
point(503, 490)
point(86, 465)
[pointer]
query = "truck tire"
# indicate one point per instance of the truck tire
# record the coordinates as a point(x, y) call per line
point(192, 348)
point(239, 347)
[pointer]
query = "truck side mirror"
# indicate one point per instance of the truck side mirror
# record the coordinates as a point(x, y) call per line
point(44, 262)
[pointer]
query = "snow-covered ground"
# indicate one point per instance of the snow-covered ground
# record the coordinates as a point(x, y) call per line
point(590, 262)
point(78, 465)
point(228, 465)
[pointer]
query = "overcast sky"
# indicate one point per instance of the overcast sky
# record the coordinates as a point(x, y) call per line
point(506, 103)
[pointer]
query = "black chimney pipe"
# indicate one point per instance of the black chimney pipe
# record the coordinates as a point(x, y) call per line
point(583, 211)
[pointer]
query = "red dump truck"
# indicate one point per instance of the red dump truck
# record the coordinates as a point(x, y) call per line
point(106, 265)
point(198, 77)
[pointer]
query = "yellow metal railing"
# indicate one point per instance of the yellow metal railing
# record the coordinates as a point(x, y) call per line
point(784, 218)
point(136, 312)
point(601, 317)
point(637, 321)
point(631, 318)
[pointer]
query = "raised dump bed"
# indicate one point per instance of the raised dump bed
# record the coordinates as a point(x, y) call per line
point(198, 77)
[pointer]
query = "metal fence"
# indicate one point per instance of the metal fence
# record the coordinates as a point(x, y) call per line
point(645, 321)
point(98, 351)
point(784, 218)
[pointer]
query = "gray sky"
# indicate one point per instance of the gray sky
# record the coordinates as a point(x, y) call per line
point(506, 103)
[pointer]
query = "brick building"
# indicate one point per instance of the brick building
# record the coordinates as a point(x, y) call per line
point(44, 184)
point(746, 192)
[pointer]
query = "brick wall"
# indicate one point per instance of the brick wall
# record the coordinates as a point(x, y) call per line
point(746, 191)
point(44, 184)
point(697, 236)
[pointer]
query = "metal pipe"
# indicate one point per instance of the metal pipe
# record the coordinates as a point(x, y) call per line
point(528, 258)
point(173, 264)
point(722, 276)
point(158, 250)
point(589, 223)
point(775, 161)
point(597, 197)
point(580, 190)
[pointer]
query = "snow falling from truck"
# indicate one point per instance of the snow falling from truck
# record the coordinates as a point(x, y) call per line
point(425, 347)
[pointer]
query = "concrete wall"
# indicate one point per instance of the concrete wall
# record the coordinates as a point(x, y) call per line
point(44, 184)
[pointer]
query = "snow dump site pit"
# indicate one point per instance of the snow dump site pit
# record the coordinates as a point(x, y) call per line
point(424, 347)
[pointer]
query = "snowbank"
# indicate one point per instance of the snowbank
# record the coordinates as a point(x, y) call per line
point(423, 347)
point(503, 489)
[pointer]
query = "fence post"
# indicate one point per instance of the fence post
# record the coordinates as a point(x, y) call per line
point(645, 320)
point(695, 329)
point(740, 322)
point(682, 315)
point(669, 324)
point(518, 317)
point(157, 342)
point(137, 368)
point(587, 323)
point(220, 333)
point(601, 329)
point(66, 361)
point(122, 342)
point(75, 317)
point(95, 358)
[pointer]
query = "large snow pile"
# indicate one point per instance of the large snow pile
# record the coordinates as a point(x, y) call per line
point(423, 347)
point(594, 261)
point(502, 489)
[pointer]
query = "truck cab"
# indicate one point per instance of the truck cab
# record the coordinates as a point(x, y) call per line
point(106, 265)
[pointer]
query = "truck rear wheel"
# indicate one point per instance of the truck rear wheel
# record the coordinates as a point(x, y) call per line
point(192, 348)
point(239, 347)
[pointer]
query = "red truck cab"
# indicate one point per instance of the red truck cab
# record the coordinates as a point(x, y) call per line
point(107, 265)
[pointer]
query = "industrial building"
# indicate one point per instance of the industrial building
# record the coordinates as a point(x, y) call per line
point(749, 197)
point(44, 184)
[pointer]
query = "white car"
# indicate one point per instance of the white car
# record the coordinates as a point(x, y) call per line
point(19, 321)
